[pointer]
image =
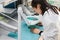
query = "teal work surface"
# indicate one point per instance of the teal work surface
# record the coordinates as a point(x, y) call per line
point(26, 34)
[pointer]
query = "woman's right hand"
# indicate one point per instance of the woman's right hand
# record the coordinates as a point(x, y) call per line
point(41, 38)
point(35, 30)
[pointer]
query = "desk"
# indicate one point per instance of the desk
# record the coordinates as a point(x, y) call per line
point(26, 34)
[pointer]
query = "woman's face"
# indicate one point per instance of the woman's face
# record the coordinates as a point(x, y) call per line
point(37, 9)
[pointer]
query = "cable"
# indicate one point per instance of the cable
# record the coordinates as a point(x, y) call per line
point(9, 17)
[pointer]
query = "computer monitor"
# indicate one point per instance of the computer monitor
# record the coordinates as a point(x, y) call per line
point(14, 4)
point(11, 5)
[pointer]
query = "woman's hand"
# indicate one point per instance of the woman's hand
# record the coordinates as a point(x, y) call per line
point(40, 24)
point(35, 30)
point(41, 38)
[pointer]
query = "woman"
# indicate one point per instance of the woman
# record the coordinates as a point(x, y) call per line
point(49, 19)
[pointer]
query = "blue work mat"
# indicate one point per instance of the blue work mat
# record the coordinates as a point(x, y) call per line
point(26, 34)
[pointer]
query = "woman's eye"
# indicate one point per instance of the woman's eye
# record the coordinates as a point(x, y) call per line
point(36, 14)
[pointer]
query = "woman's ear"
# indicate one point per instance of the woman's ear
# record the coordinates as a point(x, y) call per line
point(59, 9)
point(47, 8)
point(38, 6)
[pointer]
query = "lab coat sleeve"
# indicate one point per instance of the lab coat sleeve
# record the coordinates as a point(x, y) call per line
point(51, 32)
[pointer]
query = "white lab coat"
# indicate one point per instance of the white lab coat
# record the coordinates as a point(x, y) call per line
point(49, 21)
point(58, 25)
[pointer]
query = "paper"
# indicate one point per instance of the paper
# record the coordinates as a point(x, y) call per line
point(7, 2)
point(1, 8)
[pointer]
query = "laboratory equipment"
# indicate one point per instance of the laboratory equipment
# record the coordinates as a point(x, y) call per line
point(26, 10)
point(10, 4)
point(26, 31)
point(13, 35)
point(27, 21)
point(9, 29)
point(8, 9)
point(1, 7)
point(32, 18)
point(26, 18)
point(8, 24)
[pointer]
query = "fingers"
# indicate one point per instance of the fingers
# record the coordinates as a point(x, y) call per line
point(35, 30)
point(41, 38)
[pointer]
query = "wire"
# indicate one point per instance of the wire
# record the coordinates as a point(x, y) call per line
point(9, 17)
